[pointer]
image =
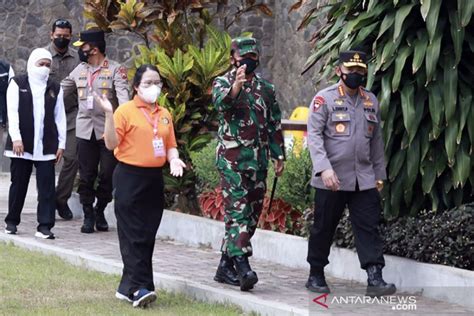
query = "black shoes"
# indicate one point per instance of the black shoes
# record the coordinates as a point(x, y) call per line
point(89, 219)
point(317, 282)
point(64, 211)
point(100, 222)
point(376, 286)
point(225, 272)
point(247, 277)
point(10, 229)
point(45, 233)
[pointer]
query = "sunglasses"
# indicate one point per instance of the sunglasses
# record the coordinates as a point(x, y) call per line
point(63, 23)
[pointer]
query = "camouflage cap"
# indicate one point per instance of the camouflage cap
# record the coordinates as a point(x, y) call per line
point(245, 45)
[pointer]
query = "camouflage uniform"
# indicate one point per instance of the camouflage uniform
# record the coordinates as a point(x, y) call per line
point(249, 134)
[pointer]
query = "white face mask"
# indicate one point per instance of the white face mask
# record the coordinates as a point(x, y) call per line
point(149, 94)
point(41, 73)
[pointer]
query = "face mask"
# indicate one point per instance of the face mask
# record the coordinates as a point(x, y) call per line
point(41, 73)
point(353, 80)
point(61, 42)
point(251, 64)
point(83, 56)
point(149, 94)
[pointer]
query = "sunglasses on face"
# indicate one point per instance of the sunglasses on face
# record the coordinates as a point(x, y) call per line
point(63, 24)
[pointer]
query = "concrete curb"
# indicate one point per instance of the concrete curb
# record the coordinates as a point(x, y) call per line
point(430, 280)
point(246, 301)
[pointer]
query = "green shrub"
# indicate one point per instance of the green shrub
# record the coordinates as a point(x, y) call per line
point(294, 186)
point(204, 165)
point(443, 238)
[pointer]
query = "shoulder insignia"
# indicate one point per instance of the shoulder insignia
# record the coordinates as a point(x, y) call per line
point(105, 64)
point(341, 91)
point(318, 102)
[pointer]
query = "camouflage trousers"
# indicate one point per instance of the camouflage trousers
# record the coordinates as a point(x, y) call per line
point(243, 194)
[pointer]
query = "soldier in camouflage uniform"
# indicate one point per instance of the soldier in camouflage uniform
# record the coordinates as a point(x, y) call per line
point(249, 135)
point(347, 151)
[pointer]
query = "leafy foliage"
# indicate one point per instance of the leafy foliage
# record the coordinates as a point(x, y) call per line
point(179, 37)
point(445, 238)
point(421, 70)
point(204, 162)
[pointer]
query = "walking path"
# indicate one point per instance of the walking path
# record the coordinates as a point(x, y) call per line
point(189, 270)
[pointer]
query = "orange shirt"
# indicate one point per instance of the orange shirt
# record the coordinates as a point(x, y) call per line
point(135, 133)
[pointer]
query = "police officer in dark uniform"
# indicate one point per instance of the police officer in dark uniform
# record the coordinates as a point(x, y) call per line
point(347, 151)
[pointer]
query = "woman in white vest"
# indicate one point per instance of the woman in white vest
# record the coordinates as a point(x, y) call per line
point(37, 137)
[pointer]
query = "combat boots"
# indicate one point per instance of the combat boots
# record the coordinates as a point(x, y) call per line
point(376, 286)
point(89, 219)
point(225, 271)
point(100, 222)
point(317, 281)
point(247, 277)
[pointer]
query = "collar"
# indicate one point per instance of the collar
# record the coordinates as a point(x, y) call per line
point(140, 104)
point(342, 91)
point(54, 52)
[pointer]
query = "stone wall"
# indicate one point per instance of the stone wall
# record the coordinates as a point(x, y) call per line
point(26, 24)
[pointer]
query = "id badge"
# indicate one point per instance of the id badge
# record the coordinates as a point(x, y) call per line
point(159, 147)
point(90, 102)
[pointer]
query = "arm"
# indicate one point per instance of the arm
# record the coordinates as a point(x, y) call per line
point(225, 93)
point(172, 154)
point(377, 154)
point(60, 120)
point(112, 135)
point(14, 118)
point(275, 136)
point(316, 124)
point(11, 73)
point(68, 85)
point(121, 85)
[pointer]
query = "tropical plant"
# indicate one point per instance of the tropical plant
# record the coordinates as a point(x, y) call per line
point(179, 37)
point(422, 71)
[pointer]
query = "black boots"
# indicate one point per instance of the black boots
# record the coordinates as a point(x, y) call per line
point(225, 272)
point(64, 211)
point(247, 277)
point(89, 219)
point(317, 282)
point(376, 286)
point(100, 222)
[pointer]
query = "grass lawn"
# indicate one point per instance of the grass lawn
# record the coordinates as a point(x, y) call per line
point(32, 283)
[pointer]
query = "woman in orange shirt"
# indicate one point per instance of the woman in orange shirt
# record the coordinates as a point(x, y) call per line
point(142, 136)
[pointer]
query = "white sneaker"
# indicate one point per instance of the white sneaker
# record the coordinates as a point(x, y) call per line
point(44, 233)
point(122, 297)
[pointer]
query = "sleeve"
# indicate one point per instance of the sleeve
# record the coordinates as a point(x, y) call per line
point(60, 119)
point(68, 85)
point(120, 123)
point(121, 85)
point(316, 124)
point(12, 111)
point(276, 143)
point(377, 153)
point(221, 94)
point(11, 73)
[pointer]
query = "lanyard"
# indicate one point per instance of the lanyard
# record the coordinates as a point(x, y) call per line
point(154, 123)
point(91, 78)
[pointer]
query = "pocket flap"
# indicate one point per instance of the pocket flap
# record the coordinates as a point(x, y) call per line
point(340, 117)
point(371, 117)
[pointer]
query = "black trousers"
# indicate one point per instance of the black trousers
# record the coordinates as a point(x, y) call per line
point(364, 213)
point(139, 202)
point(20, 170)
point(68, 173)
point(95, 160)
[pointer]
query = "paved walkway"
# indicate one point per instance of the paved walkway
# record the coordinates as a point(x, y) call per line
point(190, 270)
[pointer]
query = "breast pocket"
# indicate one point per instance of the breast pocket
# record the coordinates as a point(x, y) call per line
point(371, 123)
point(341, 124)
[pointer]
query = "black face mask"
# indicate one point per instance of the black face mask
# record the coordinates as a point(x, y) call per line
point(251, 64)
point(83, 55)
point(353, 80)
point(61, 42)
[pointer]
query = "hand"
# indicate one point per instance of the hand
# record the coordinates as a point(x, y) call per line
point(103, 102)
point(330, 179)
point(239, 80)
point(176, 167)
point(379, 185)
point(18, 148)
point(59, 155)
point(279, 166)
